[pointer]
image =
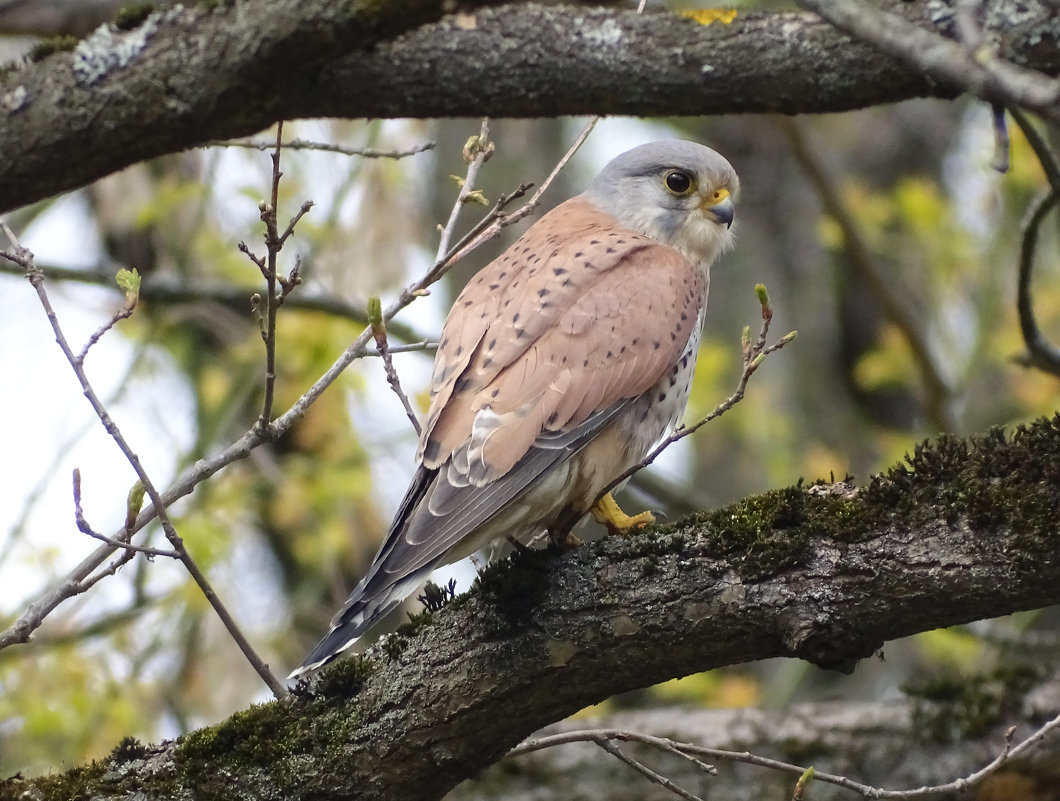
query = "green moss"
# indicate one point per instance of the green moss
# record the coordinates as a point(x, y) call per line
point(515, 587)
point(74, 783)
point(393, 645)
point(127, 750)
point(344, 678)
point(762, 535)
point(51, 45)
point(417, 621)
point(129, 17)
point(997, 482)
point(253, 732)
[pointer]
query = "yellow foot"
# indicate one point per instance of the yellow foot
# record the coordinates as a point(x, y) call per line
point(607, 512)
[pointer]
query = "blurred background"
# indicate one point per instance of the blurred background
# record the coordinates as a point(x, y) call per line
point(883, 236)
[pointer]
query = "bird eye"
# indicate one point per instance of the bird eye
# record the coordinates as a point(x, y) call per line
point(677, 182)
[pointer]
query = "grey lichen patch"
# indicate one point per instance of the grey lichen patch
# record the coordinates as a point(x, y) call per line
point(13, 100)
point(108, 48)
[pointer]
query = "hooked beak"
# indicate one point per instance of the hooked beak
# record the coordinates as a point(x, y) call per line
point(719, 207)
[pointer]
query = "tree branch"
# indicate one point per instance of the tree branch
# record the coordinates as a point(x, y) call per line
point(192, 75)
point(825, 573)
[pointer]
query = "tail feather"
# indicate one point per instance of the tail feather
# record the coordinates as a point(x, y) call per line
point(359, 614)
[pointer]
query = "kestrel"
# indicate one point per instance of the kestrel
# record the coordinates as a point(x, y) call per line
point(560, 365)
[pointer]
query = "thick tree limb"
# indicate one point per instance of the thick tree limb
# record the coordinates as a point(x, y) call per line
point(825, 574)
point(187, 76)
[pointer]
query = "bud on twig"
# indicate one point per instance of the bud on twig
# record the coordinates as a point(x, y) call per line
point(133, 504)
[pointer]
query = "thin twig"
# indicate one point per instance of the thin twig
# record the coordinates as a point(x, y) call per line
point(966, 17)
point(1046, 157)
point(644, 770)
point(327, 147)
point(123, 313)
point(161, 289)
point(272, 245)
point(274, 242)
point(1041, 353)
point(85, 528)
point(503, 221)
point(477, 151)
point(375, 317)
point(36, 279)
point(411, 347)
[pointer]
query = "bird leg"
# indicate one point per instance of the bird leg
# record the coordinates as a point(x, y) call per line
point(607, 512)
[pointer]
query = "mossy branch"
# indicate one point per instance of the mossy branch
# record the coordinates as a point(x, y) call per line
point(963, 530)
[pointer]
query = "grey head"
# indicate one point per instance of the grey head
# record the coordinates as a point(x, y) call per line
point(677, 192)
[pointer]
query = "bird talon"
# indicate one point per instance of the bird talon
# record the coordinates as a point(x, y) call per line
point(607, 512)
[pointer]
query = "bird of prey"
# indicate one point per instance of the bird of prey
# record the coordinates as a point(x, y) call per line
point(559, 366)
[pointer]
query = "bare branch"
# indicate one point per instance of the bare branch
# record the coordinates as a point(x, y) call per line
point(85, 528)
point(375, 317)
point(644, 770)
point(981, 72)
point(123, 313)
point(1041, 353)
point(476, 152)
point(327, 147)
point(36, 278)
point(160, 289)
point(501, 221)
point(274, 242)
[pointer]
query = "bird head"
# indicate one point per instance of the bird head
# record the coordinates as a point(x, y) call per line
point(676, 192)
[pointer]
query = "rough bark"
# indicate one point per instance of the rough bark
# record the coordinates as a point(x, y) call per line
point(219, 70)
point(966, 530)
